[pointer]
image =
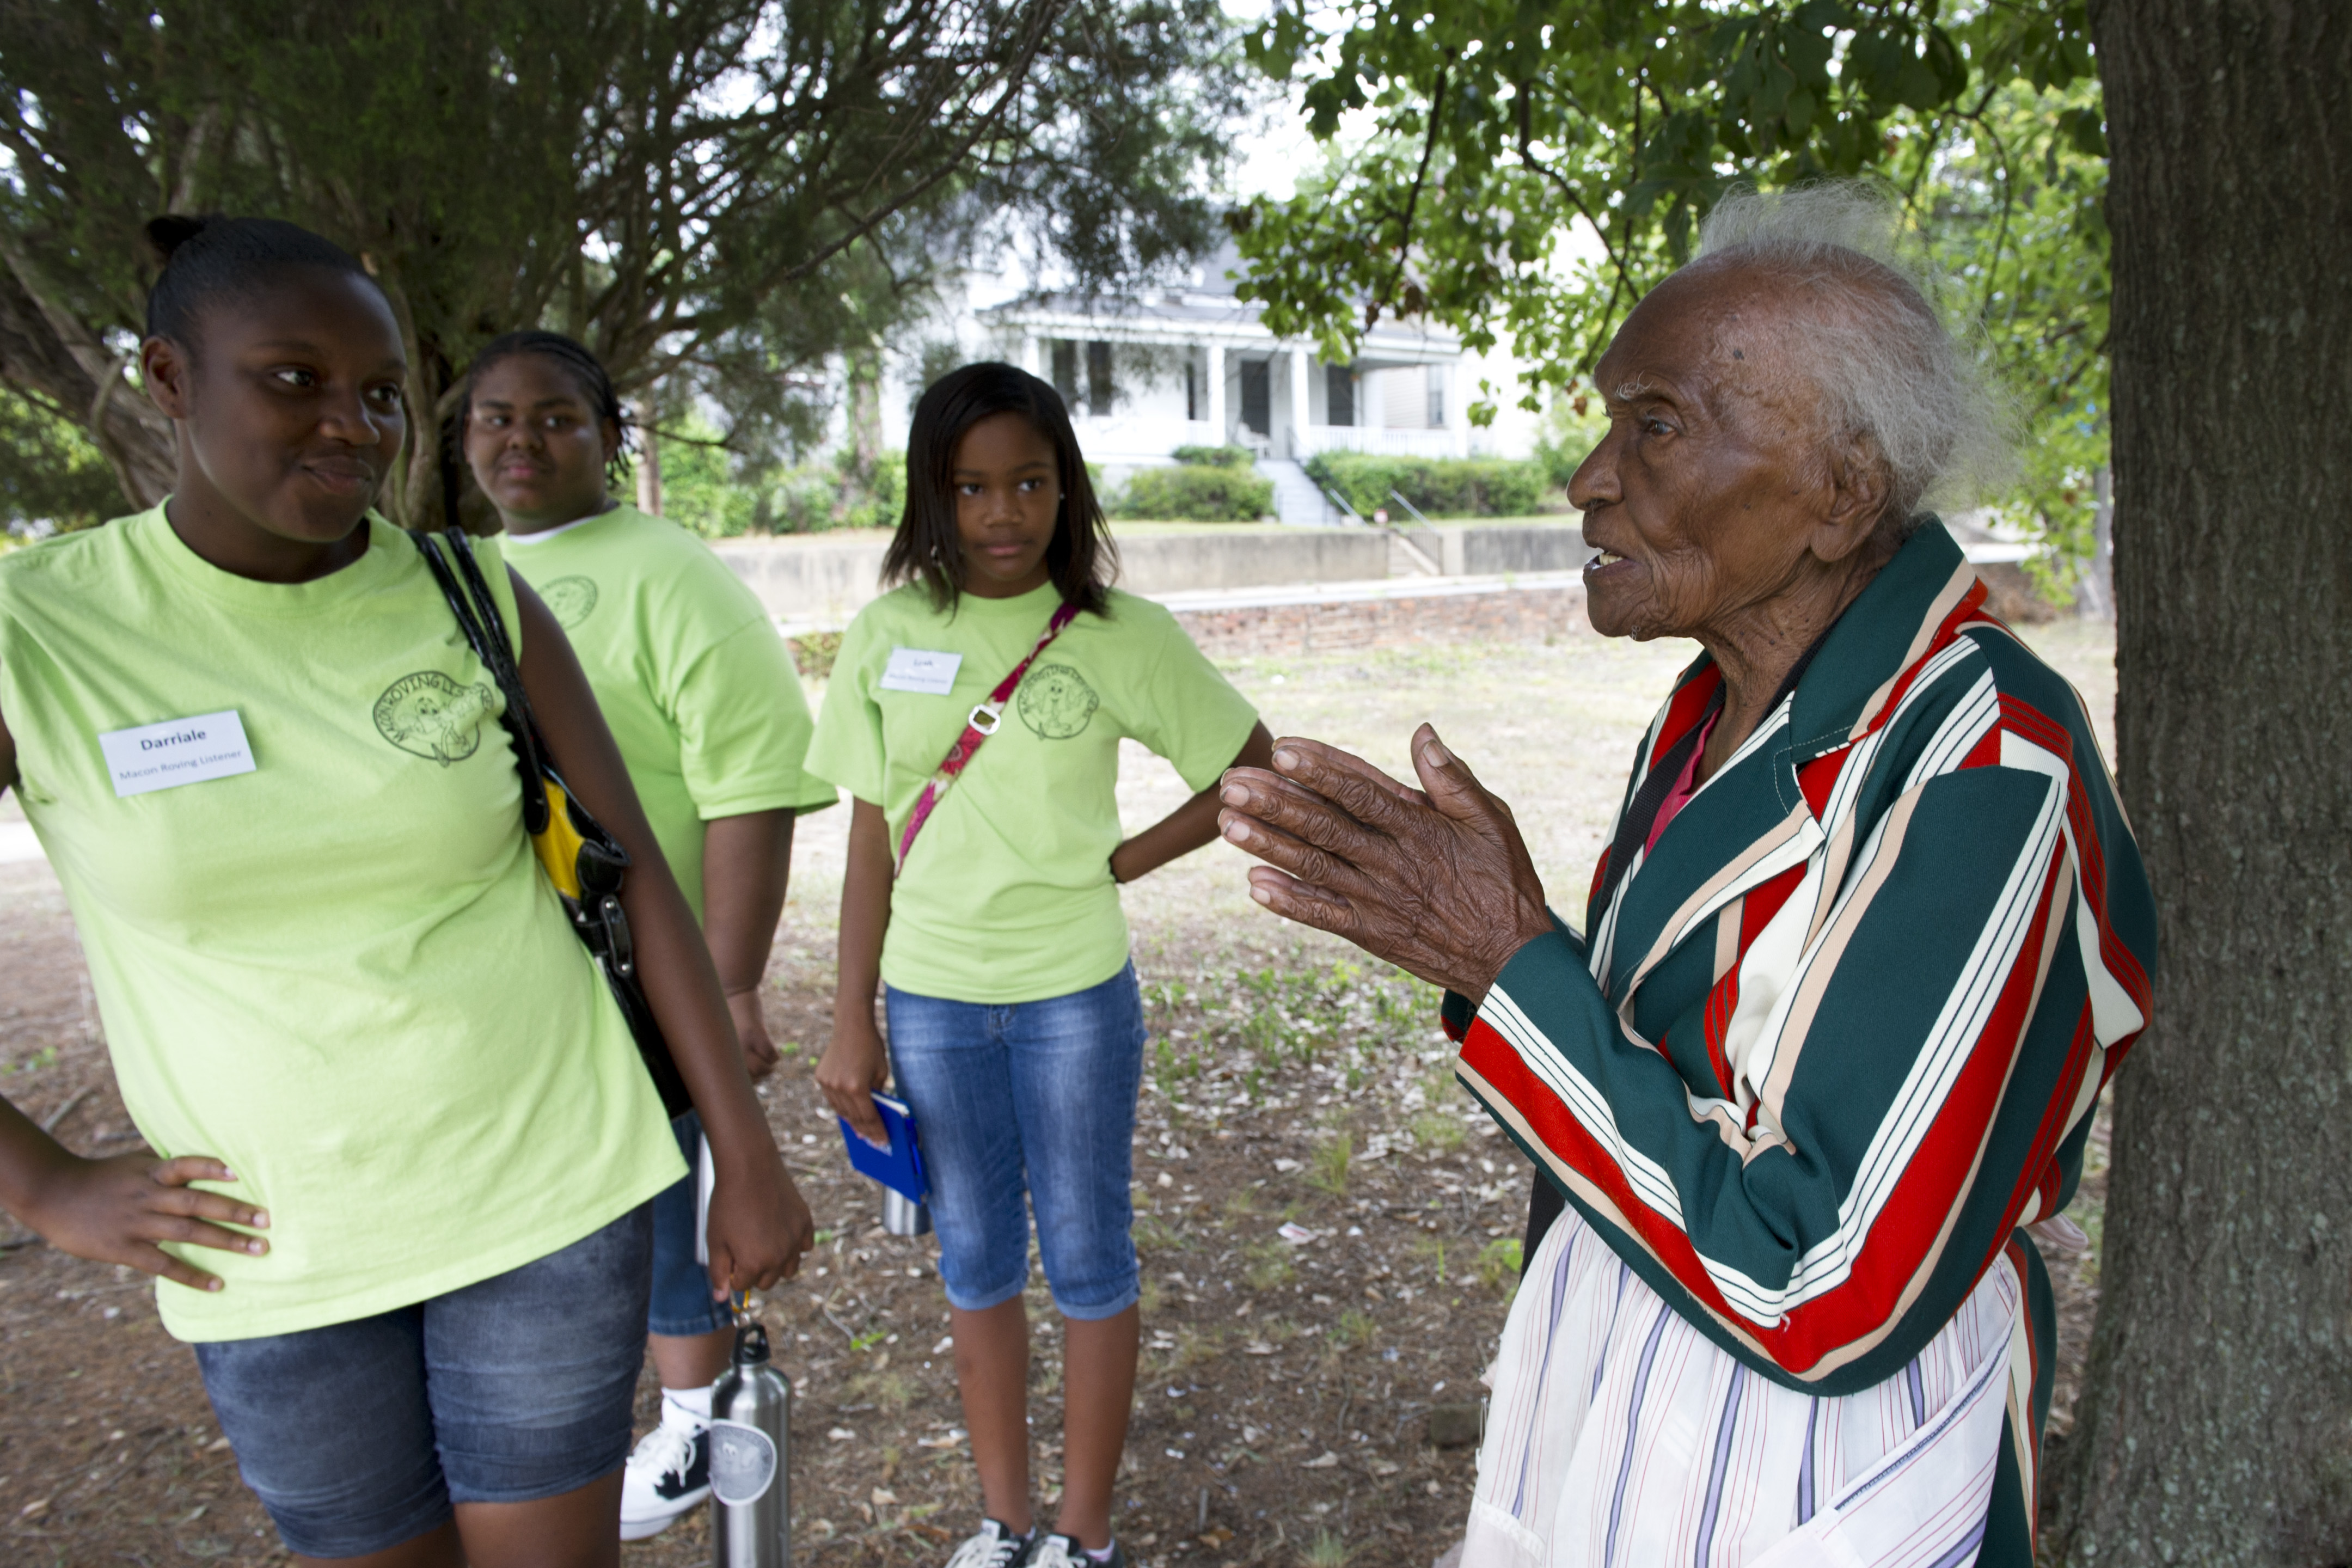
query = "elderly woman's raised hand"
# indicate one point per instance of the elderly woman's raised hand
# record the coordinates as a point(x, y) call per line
point(1435, 879)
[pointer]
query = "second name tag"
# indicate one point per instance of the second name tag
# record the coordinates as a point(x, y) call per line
point(176, 751)
point(919, 669)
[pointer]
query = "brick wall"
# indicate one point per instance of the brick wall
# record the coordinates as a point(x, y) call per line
point(1507, 614)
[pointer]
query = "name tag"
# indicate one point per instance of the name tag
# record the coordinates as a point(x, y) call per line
point(915, 669)
point(176, 751)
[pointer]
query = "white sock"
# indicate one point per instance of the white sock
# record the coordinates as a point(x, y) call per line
point(692, 1405)
point(1102, 1555)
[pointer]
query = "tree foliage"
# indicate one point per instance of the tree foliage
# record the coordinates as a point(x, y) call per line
point(1492, 131)
point(722, 191)
point(51, 477)
point(2014, 214)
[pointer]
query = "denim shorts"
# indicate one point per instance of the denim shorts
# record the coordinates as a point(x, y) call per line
point(1034, 1096)
point(359, 1436)
point(683, 1305)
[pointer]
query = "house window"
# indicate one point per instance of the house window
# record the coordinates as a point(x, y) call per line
point(1436, 398)
point(1258, 397)
point(1191, 390)
point(1339, 395)
point(1065, 372)
point(1098, 388)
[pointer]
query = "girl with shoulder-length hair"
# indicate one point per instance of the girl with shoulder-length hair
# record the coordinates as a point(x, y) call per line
point(1006, 667)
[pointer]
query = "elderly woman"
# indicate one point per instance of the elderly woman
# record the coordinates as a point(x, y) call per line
point(1870, 936)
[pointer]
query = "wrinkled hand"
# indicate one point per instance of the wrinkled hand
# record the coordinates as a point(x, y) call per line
point(760, 1225)
point(118, 1210)
point(854, 1065)
point(1437, 879)
point(751, 1033)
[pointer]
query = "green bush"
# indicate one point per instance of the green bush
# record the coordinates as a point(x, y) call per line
point(1441, 487)
point(1215, 457)
point(1196, 492)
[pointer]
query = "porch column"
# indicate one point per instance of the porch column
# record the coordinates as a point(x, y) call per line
point(1217, 410)
point(1298, 447)
point(1029, 360)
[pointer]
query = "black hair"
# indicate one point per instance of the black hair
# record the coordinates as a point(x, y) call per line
point(595, 384)
point(209, 257)
point(1081, 559)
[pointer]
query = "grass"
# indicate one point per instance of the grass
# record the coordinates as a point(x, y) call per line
point(1328, 1550)
point(890, 1389)
point(1439, 1131)
point(1327, 1168)
point(1354, 1328)
point(1267, 1265)
point(1498, 1264)
point(1153, 1233)
point(1193, 1346)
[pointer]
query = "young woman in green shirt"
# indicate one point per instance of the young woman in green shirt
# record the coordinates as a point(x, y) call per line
point(702, 699)
point(994, 923)
point(403, 1149)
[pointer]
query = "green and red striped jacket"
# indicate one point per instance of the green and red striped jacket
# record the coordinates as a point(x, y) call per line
point(1838, 1034)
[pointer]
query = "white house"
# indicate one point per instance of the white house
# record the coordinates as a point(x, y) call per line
point(1191, 364)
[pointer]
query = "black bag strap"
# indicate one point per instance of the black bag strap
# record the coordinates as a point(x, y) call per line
point(485, 632)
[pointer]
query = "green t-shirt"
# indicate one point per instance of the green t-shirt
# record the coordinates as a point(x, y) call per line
point(1008, 895)
point(697, 685)
point(341, 972)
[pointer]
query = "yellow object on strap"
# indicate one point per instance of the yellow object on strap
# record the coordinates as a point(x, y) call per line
point(559, 843)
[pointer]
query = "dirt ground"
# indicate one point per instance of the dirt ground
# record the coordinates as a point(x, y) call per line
point(1291, 1386)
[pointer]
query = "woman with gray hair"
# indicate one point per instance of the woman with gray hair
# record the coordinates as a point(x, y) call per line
point(1871, 935)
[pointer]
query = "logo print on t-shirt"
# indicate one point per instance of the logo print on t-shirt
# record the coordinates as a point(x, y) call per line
point(569, 599)
point(1057, 701)
point(431, 716)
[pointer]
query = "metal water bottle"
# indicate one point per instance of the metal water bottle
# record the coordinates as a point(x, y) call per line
point(903, 1215)
point(750, 1458)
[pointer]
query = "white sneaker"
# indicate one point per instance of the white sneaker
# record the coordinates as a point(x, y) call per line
point(994, 1547)
point(667, 1476)
point(1063, 1551)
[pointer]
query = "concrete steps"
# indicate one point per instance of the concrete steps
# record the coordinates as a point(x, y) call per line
point(1298, 500)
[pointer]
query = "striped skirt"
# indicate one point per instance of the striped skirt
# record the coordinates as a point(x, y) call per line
point(1620, 1438)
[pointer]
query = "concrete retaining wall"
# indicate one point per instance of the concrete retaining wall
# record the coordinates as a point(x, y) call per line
point(824, 581)
point(1249, 557)
point(1437, 612)
point(1472, 550)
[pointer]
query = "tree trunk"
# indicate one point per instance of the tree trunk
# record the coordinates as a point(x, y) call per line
point(2215, 1425)
point(45, 352)
point(2095, 597)
point(649, 460)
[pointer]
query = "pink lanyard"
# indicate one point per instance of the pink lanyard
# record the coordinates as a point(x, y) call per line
point(979, 726)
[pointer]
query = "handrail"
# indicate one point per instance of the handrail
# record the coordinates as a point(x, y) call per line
point(1409, 507)
point(1336, 499)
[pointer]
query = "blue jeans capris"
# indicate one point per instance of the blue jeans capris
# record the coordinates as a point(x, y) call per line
point(359, 1436)
point(683, 1306)
point(1028, 1095)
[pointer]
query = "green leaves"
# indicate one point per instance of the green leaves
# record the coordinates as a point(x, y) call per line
point(1534, 166)
point(722, 193)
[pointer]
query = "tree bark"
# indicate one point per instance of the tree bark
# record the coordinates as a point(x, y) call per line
point(649, 460)
point(45, 352)
point(2215, 1425)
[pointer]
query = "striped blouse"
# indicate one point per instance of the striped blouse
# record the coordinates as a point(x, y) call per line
point(1837, 1033)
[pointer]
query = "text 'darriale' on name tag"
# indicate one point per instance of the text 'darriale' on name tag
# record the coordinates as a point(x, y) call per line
point(175, 752)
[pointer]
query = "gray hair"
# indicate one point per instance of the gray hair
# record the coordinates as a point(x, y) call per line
point(1888, 371)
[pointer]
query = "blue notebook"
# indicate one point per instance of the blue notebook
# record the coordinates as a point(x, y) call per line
point(899, 1167)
